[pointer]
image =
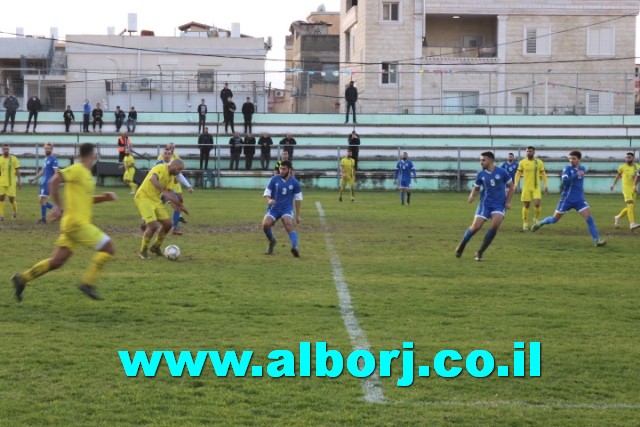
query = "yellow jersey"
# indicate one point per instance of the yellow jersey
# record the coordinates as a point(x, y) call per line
point(78, 196)
point(173, 157)
point(347, 167)
point(628, 174)
point(532, 170)
point(8, 166)
point(148, 191)
point(129, 162)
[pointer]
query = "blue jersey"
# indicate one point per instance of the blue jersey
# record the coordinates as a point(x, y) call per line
point(572, 183)
point(512, 168)
point(404, 171)
point(493, 187)
point(50, 167)
point(284, 192)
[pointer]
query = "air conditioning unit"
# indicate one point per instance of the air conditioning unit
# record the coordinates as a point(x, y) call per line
point(279, 94)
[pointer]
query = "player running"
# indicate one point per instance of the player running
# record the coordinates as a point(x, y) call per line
point(628, 172)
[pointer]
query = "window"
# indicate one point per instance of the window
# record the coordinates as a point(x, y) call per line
point(537, 41)
point(389, 73)
point(599, 102)
point(460, 102)
point(205, 81)
point(390, 11)
point(601, 41)
point(351, 3)
point(347, 49)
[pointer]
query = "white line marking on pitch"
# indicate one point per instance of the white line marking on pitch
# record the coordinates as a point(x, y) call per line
point(513, 403)
point(371, 385)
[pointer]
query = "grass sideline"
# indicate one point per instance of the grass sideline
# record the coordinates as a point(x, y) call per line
point(59, 362)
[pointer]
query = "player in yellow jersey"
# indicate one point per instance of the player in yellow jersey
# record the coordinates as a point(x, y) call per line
point(158, 183)
point(628, 173)
point(177, 189)
point(532, 170)
point(129, 171)
point(348, 175)
point(76, 228)
point(9, 180)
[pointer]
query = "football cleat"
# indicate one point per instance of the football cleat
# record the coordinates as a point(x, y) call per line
point(144, 255)
point(478, 256)
point(525, 226)
point(535, 227)
point(634, 225)
point(272, 244)
point(156, 250)
point(459, 250)
point(90, 291)
point(295, 252)
point(18, 286)
point(601, 243)
point(616, 221)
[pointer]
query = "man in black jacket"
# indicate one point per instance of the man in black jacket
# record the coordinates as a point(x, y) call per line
point(247, 112)
point(265, 142)
point(351, 96)
point(228, 112)
point(287, 145)
point(249, 150)
point(205, 142)
point(11, 105)
point(33, 106)
point(235, 150)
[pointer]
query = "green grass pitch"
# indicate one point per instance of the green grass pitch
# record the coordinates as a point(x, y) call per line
point(58, 350)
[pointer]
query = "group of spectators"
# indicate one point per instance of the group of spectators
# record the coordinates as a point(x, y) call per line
point(228, 112)
point(96, 116)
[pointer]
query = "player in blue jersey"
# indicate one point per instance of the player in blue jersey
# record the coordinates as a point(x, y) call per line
point(511, 166)
point(282, 193)
point(402, 177)
point(572, 197)
point(47, 172)
point(496, 189)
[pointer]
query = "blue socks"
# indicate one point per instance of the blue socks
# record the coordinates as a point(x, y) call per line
point(49, 205)
point(269, 234)
point(43, 212)
point(592, 229)
point(176, 219)
point(293, 236)
point(402, 196)
point(467, 236)
point(549, 220)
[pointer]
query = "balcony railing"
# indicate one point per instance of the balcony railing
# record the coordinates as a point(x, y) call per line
point(448, 54)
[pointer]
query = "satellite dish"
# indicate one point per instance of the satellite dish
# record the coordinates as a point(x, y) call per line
point(321, 8)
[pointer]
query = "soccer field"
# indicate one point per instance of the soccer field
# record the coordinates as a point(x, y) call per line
point(371, 273)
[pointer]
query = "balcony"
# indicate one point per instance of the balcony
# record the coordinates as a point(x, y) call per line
point(459, 54)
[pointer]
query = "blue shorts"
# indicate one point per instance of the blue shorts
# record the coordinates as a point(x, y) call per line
point(565, 205)
point(44, 189)
point(485, 211)
point(405, 183)
point(276, 214)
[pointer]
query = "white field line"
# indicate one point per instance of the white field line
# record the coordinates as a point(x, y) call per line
point(371, 385)
point(518, 404)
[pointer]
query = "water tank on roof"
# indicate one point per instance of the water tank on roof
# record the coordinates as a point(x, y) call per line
point(132, 22)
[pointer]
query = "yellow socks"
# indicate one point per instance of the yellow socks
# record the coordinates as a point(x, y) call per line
point(97, 262)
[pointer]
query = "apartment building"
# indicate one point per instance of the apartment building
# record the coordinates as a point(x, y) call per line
point(490, 56)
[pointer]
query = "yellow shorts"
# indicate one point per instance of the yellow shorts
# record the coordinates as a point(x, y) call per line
point(530, 194)
point(347, 180)
point(8, 191)
point(87, 235)
point(629, 195)
point(129, 174)
point(151, 211)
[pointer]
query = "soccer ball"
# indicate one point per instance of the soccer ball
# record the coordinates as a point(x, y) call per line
point(172, 252)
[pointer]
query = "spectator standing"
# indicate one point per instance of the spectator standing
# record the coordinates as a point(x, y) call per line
point(247, 112)
point(11, 105)
point(97, 115)
point(228, 112)
point(68, 118)
point(124, 145)
point(33, 106)
point(205, 142)
point(202, 115)
point(132, 120)
point(119, 118)
point(249, 150)
point(354, 146)
point(287, 144)
point(86, 113)
point(235, 150)
point(265, 142)
point(351, 96)
point(225, 94)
